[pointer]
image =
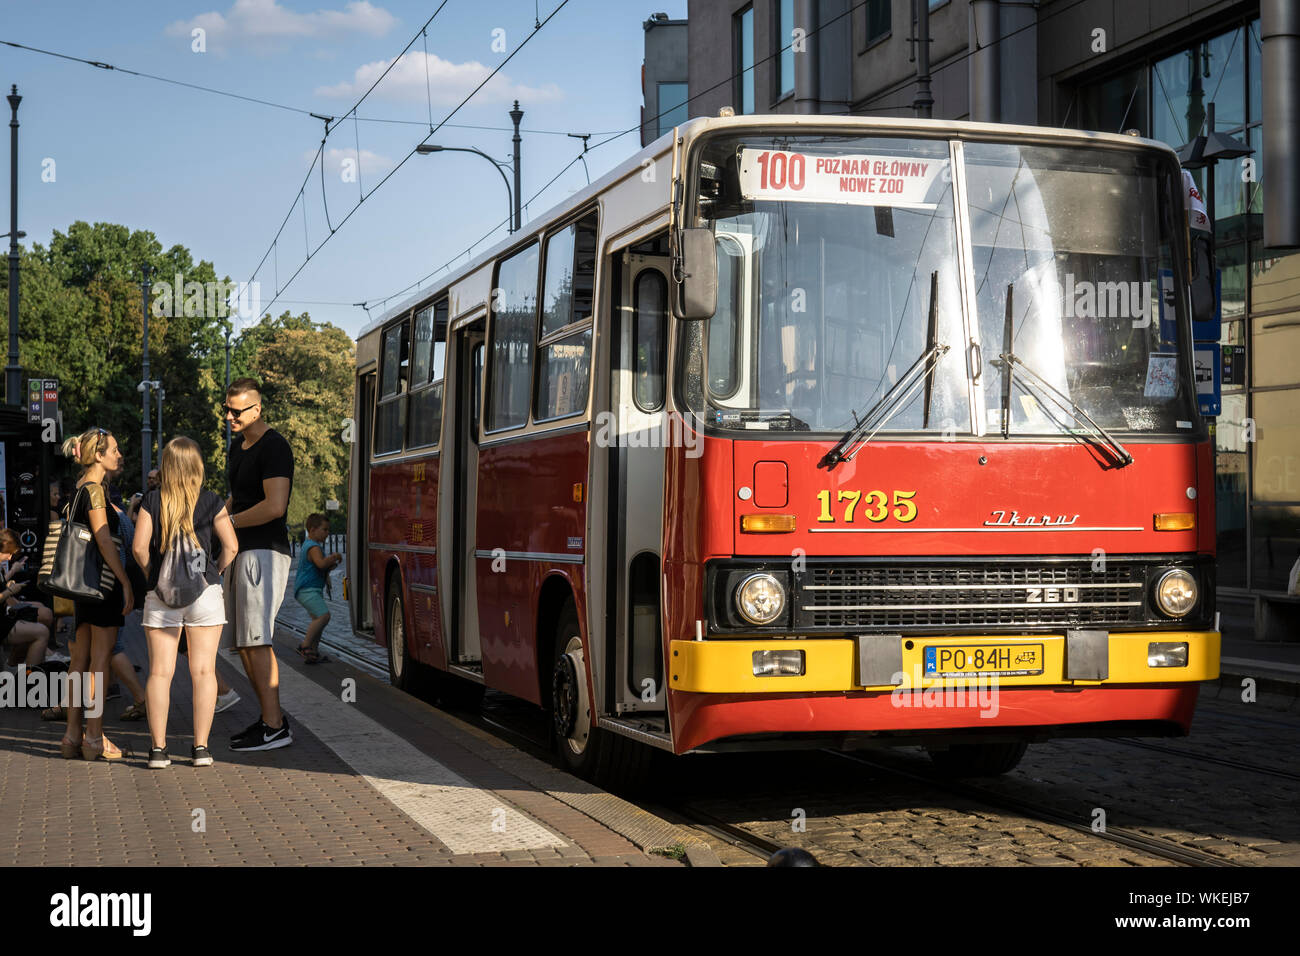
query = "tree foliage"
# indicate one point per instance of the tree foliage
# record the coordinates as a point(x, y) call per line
point(80, 321)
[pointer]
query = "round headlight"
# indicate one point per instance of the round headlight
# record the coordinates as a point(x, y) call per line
point(760, 599)
point(1176, 592)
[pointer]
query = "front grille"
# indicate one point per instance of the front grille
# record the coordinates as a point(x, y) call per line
point(978, 594)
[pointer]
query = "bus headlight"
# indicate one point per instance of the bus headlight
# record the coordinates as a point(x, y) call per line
point(760, 599)
point(1176, 593)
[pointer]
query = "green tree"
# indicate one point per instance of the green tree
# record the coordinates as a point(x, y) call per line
point(307, 374)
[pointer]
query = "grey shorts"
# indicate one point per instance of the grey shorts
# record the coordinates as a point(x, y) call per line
point(255, 585)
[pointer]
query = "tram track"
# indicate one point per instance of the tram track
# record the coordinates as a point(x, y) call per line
point(1208, 758)
point(1155, 846)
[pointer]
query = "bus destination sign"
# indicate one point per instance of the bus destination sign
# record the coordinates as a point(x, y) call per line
point(861, 179)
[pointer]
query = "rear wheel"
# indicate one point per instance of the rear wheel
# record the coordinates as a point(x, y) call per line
point(584, 749)
point(978, 760)
point(402, 668)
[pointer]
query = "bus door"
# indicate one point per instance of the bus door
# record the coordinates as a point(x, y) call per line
point(467, 349)
point(359, 519)
point(638, 359)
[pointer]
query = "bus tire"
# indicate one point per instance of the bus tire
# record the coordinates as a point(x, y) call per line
point(606, 759)
point(403, 671)
point(978, 760)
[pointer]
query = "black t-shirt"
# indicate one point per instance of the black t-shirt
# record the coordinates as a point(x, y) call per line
point(270, 457)
point(206, 508)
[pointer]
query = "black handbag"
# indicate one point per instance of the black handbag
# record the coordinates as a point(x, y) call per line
point(76, 569)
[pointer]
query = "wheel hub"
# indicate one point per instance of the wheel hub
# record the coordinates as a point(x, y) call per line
point(564, 694)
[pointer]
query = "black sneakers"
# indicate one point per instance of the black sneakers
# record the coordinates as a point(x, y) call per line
point(200, 757)
point(261, 737)
point(158, 759)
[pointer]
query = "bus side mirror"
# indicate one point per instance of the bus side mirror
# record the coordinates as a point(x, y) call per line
point(1203, 305)
point(698, 292)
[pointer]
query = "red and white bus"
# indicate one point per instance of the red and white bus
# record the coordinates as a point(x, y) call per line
point(806, 431)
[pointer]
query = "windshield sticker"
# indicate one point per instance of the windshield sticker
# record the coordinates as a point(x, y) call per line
point(1162, 375)
point(861, 180)
point(1183, 424)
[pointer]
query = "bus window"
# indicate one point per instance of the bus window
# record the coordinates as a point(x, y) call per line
point(514, 323)
point(570, 276)
point(724, 327)
point(649, 300)
point(390, 414)
point(426, 375)
point(562, 377)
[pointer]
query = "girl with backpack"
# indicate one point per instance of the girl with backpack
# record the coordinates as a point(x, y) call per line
point(182, 528)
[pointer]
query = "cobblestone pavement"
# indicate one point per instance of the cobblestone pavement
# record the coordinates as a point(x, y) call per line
point(854, 814)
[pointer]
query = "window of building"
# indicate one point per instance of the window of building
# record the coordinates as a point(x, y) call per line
point(514, 327)
point(743, 45)
point(425, 418)
point(783, 37)
point(390, 413)
point(877, 16)
point(672, 106)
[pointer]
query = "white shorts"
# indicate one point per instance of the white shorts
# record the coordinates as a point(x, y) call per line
point(205, 611)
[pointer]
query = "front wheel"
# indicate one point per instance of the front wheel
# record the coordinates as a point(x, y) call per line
point(585, 750)
point(978, 760)
point(401, 666)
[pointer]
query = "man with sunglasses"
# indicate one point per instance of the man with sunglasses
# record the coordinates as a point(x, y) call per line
point(260, 474)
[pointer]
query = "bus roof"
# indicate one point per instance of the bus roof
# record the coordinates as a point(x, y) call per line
point(692, 129)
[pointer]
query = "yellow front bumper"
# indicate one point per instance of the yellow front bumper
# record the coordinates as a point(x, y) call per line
point(830, 664)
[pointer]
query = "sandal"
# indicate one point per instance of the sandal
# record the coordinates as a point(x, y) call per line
point(134, 712)
point(54, 713)
point(313, 656)
point(70, 749)
point(101, 752)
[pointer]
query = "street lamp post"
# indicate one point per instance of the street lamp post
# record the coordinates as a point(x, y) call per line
point(511, 199)
point(13, 373)
point(516, 115)
point(161, 393)
point(146, 434)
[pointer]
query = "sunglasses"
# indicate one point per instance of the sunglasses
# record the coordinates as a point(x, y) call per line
point(236, 412)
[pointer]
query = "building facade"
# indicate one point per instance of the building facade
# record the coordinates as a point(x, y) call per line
point(1161, 68)
point(663, 77)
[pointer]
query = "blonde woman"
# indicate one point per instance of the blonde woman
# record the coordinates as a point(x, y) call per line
point(96, 624)
point(182, 516)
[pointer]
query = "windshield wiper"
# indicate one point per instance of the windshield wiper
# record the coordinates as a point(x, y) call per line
point(1010, 360)
point(918, 376)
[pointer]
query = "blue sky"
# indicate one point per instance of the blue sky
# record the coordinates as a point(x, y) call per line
point(218, 175)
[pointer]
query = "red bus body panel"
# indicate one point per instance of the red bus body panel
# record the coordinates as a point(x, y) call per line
point(1063, 497)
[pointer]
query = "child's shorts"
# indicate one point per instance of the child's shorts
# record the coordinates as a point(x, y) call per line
point(313, 599)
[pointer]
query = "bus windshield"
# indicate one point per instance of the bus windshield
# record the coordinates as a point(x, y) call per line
point(839, 259)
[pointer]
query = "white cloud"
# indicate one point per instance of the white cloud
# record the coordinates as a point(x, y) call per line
point(268, 20)
point(371, 163)
point(448, 83)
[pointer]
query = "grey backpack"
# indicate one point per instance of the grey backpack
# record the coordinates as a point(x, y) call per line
point(182, 573)
point(184, 570)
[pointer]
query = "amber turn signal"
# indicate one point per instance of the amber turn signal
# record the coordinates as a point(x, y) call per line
point(1175, 521)
point(767, 524)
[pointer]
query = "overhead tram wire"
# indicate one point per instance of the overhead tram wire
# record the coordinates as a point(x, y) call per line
point(402, 162)
point(731, 79)
point(99, 64)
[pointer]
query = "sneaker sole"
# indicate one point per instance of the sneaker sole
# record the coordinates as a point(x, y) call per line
point(268, 745)
point(155, 765)
point(205, 762)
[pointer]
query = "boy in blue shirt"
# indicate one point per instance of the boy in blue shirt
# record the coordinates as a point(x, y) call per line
point(314, 567)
